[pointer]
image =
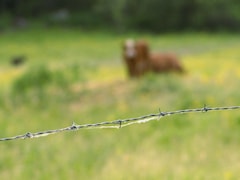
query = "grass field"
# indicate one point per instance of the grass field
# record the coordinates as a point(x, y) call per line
point(72, 75)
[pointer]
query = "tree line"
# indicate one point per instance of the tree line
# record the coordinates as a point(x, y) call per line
point(146, 15)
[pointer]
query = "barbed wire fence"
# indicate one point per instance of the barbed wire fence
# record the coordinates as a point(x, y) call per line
point(119, 123)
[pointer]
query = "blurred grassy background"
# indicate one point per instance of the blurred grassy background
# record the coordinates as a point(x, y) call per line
point(73, 75)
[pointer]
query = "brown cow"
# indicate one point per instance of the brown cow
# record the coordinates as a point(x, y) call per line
point(136, 62)
point(139, 59)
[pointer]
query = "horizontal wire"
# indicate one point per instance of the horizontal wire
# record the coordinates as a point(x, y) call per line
point(118, 123)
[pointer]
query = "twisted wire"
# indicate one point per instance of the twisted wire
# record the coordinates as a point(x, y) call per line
point(118, 123)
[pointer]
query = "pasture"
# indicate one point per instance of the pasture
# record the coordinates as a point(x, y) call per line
point(72, 75)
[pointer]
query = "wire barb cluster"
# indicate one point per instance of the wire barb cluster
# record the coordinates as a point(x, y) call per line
point(119, 123)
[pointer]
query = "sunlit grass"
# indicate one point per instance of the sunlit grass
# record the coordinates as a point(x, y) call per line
point(89, 84)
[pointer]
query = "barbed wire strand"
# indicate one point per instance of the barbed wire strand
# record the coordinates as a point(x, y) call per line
point(118, 123)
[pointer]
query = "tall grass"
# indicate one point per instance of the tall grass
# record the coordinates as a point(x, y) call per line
point(71, 75)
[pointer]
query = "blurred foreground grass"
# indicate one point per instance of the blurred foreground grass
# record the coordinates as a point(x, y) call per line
point(71, 75)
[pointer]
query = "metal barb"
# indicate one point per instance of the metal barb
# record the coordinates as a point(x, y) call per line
point(28, 135)
point(161, 114)
point(73, 126)
point(205, 109)
point(120, 123)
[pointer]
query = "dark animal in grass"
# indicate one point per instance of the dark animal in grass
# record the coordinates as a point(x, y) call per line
point(18, 60)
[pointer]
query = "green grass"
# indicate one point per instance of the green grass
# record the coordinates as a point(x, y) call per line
point(79, 76)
